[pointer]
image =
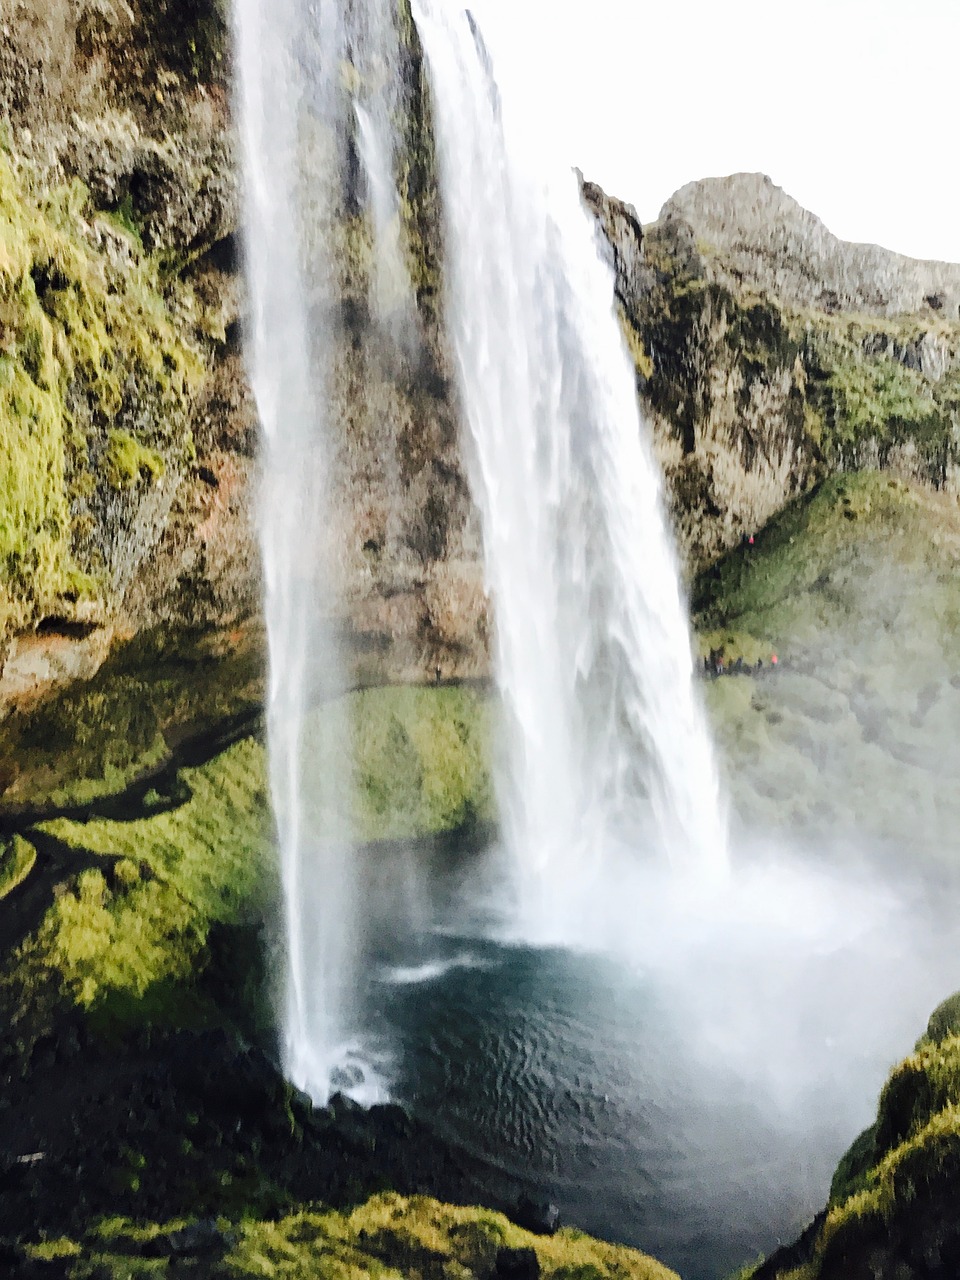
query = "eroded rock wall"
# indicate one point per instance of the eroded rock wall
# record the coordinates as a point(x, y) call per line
point(770, 354)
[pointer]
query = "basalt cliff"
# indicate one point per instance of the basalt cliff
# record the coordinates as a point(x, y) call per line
point(768, 353)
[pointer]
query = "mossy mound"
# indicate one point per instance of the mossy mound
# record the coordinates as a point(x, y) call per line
point(388, 1238)
point(95, 738)
point(190, 850)
point(806, 570)
point(131, 906)
point(421, 761)
point(855, 588)
point(892, 1205)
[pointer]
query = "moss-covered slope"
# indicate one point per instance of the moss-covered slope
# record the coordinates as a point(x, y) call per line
point(892, 1209)
point(388, 1238)
point(854, 587)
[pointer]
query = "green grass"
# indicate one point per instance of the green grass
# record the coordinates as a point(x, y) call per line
point(94, 738)
point(421, 761)
point(805, 568)
point(388, 1238)
point(129, 936)
point(127, 939)
point(17, 858)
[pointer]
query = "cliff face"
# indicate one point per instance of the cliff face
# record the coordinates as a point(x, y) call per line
point(128, 498)
point(128, 429)
point(770, 354)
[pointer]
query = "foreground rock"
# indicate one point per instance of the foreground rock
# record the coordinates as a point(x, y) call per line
point(387, 1238)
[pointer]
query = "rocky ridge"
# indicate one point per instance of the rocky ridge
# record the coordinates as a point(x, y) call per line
point(771, 354)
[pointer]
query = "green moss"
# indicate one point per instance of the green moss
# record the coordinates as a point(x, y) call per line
point(782, 586)
point(82, 330)
point(127, 936)
point(96, 737)
point(421, 761)
point(126, 461)
point(877, 399)
point(638, 352)
point(17, 858)
point(388, 1238)
point(900, 1177)
point(944, 1021)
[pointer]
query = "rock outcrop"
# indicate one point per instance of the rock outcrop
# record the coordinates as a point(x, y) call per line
point(892, 1203)
point(770, 354)
point(762, 239)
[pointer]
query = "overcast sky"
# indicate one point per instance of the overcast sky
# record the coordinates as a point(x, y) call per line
point(852, 106)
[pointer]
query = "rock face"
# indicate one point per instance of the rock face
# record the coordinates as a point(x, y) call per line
point(765, 240)
point(770, 354)
point(119, 222)
point(120, 251)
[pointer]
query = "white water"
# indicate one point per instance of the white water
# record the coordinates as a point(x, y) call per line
point(298, 105)
point(606, 743)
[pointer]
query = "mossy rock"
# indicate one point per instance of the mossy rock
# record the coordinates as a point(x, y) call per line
point(387, 1238)
point(17, 859)
point(894, 1193)
point(96, 378)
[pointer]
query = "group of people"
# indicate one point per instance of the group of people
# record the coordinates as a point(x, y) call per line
point(715, 664)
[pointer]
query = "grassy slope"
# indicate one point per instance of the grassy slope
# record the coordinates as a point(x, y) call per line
point(388, 1238)
point(894, 1193)
point(855, 588)
point(128, 937)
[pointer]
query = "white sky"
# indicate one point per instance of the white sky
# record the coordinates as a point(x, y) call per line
point(852, 106)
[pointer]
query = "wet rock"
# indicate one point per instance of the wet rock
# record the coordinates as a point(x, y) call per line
point(541, 1219)
point(517, 1264)
point(197, 1238)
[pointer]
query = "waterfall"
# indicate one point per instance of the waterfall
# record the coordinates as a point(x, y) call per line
point(606, 746)
point(318, 90)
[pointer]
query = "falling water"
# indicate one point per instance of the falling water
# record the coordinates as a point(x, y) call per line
point(606, 743)
point(317, 84)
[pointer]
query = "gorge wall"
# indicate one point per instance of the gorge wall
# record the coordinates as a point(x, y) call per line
point(768, 353)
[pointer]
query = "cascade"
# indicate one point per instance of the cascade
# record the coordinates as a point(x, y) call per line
point(606, 744)
point(318, 92)
point(606, 748)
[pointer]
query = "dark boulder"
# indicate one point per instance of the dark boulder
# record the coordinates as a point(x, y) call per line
point(196, 1238)
point(517, 1264)
point(541, 1219)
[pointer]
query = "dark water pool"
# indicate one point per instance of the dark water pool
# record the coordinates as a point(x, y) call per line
point(692, 1100)
point(572, 1082)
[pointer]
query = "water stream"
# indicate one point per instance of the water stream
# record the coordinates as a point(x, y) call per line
point(318, 89)
point(606, 747)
